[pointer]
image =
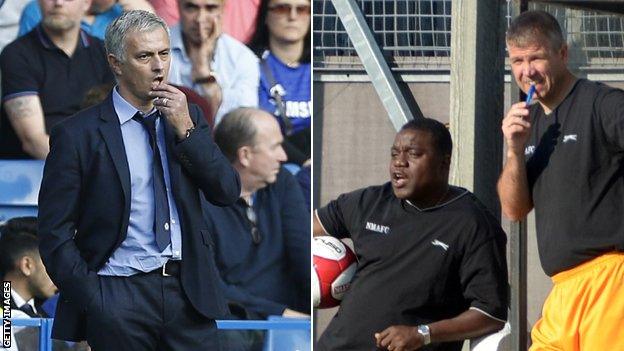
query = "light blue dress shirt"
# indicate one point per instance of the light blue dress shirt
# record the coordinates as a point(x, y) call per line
point(235, 66)
point(138, 252)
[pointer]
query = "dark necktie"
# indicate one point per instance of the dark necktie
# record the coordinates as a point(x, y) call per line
point(26, 308)
point(161, 205)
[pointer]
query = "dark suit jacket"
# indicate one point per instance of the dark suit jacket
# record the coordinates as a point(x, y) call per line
point(84, 208)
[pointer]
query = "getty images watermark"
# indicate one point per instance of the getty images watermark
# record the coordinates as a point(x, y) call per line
point(6, 314)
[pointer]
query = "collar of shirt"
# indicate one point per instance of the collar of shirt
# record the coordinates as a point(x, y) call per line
point(48, 44)
point(442, 204)
point(19, 301)
point(125, 111)
point(251, 202)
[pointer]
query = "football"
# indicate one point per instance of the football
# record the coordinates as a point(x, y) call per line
point(334, 266)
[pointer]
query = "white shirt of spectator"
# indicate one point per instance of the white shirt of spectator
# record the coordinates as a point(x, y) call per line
point(236, 68)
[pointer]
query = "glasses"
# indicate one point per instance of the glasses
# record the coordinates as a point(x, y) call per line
point(287, 9)
point(253, 220)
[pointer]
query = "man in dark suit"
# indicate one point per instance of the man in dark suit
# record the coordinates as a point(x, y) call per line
point(120, 222)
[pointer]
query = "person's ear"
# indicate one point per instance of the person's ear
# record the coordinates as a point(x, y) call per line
point(115, 64)
point(26, 265)
point(244, 156)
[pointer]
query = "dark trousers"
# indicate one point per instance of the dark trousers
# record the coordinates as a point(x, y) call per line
point(147, 312)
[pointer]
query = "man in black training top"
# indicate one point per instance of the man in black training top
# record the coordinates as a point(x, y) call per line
point(431, 268)
point(565, 158)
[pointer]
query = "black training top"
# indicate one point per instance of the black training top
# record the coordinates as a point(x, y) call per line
point(33, 65)
point(414, 266)
point(575, 172)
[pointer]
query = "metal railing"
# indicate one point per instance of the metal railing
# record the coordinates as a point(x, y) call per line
point(45, 325)
point(45, 333)
point(411, 33)
point(414, 35)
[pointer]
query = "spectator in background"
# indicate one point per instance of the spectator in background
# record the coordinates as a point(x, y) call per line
point(10, 11)
point(215, 65)
point(21, 224)
point(282, 40)
point(21, 264)
point(262, 242)
point(239, 18)
point(45, 75)
point(101, 13)
point(167, 10)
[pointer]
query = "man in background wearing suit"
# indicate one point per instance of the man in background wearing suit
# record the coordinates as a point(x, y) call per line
point(20, 263)
point(121, 227)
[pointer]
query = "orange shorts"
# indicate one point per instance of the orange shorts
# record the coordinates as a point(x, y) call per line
point(585, 308)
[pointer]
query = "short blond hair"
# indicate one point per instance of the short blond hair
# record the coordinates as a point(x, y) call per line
point(533, 27)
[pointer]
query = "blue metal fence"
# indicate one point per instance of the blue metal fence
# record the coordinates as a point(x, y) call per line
point(45, 334)
point(274, 324)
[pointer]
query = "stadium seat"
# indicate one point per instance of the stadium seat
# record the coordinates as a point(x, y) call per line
point(20, 181)
point(286, 339)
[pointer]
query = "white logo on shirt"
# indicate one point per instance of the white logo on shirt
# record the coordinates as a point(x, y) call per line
point(569, 137)
point(529, 150)
point(437, 242)
point(377, 228)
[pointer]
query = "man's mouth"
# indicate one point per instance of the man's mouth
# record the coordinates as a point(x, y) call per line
point(530, 82)
point(156, 82)
point(398, 179)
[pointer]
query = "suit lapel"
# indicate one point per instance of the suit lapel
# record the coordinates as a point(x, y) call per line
point(111, 133)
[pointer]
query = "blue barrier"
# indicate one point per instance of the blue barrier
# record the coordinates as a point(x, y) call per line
point(284, 324)
point(273, 342)
point(279, 339)
point(45, 335)
point(282, 333)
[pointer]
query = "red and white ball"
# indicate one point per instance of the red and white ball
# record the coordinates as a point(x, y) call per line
point(334, 267)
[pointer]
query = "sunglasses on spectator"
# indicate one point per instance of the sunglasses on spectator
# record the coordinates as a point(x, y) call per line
point(287, 9)
point(253, 220)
